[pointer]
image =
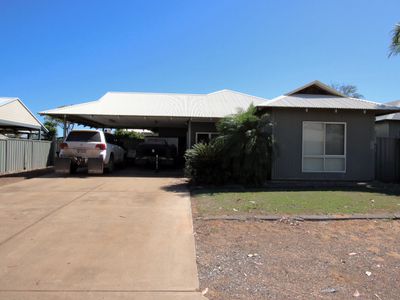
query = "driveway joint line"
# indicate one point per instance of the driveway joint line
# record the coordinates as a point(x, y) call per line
point(46, 215)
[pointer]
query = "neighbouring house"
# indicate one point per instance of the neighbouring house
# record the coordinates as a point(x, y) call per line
point(21, 144)
point(320, 133)
point(388, 126)
point(17, 121)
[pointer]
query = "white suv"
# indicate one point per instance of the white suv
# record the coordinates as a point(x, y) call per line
point(80, 145)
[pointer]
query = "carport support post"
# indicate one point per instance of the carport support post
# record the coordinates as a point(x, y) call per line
point(65, 127)
point(189, 135)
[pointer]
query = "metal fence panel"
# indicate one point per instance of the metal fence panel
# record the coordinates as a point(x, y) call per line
point(18, 155)
point(387, 159)
point(3, 149)
point(39, 150)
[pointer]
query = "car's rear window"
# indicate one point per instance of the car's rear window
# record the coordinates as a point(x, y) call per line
point(84, 136)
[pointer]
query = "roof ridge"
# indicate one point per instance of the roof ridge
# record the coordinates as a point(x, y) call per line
point(319, 84)
point(67, 106)
point(7, 100)
point(240, 93)
point(155, 93)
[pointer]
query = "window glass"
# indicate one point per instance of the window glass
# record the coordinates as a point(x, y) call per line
point(334, 139)
point(313, 164)
point(324, 147)
point(313, 138)
point(203, 138)
point(334, 164)
point(83, 136)
point(214, 135)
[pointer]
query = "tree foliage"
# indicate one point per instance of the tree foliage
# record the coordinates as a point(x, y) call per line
point(51, 125)
point(54, 123)
point(394, 48)
point(246, 141)
point(348, 90)
point(123, 133)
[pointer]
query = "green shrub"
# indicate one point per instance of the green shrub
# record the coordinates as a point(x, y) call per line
point(246, 141)
point(204, 164)
point(241, 154)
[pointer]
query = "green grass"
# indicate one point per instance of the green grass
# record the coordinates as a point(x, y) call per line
point(360, 201)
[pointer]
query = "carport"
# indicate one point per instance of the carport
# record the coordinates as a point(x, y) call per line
point(187, 117)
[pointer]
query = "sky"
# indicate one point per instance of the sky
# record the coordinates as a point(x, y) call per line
point(54, 53)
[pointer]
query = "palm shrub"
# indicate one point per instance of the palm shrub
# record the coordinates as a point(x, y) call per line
point(204, 164)
point(241, 154)
point(246, 141)
point(394, 48)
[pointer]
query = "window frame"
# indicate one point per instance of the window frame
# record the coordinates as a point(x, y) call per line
point(210, 133)
point(324, 156)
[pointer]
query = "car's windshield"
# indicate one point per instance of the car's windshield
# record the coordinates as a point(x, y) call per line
point(84, 136)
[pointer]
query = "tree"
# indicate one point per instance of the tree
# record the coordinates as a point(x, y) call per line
point(347, 89)
point(394, 48)
point(57, 122)
point(246, 141)
point(51, 125)
point(123, 133)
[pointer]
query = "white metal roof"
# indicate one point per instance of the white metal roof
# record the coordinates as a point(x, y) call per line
point(14, 113)
point(325, 101)
point(331, 100)
point(390, 117)
point(215, 105)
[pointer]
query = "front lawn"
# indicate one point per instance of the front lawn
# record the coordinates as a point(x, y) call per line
point(363, 200)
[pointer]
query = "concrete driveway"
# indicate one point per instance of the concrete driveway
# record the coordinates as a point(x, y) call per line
point(116, 237)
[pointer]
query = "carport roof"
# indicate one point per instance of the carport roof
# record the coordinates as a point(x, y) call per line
point(117, 109)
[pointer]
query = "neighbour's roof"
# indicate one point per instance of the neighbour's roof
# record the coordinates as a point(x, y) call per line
point(14, 113)
point(6, 100)
point(214, 105)
point(319, 96)
point(390, 117)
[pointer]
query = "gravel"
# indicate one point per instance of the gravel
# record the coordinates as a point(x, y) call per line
point(298, 260)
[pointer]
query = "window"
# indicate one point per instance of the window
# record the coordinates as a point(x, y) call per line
point(83, 136)
point(205, 137)
point(324, 147)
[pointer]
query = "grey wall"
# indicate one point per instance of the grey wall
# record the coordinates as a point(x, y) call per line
point(382, 129)
point(388, 129)
point(394, 129)
point(202, 127)
point(360, 160)
point(181, 133)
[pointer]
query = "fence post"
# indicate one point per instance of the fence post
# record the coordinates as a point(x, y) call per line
point(5, 161)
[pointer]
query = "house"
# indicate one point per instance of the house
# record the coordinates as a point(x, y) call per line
point(16, 120)
point(189, 117)
point(21, 146)
point(388, 126)
point(320, 133)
